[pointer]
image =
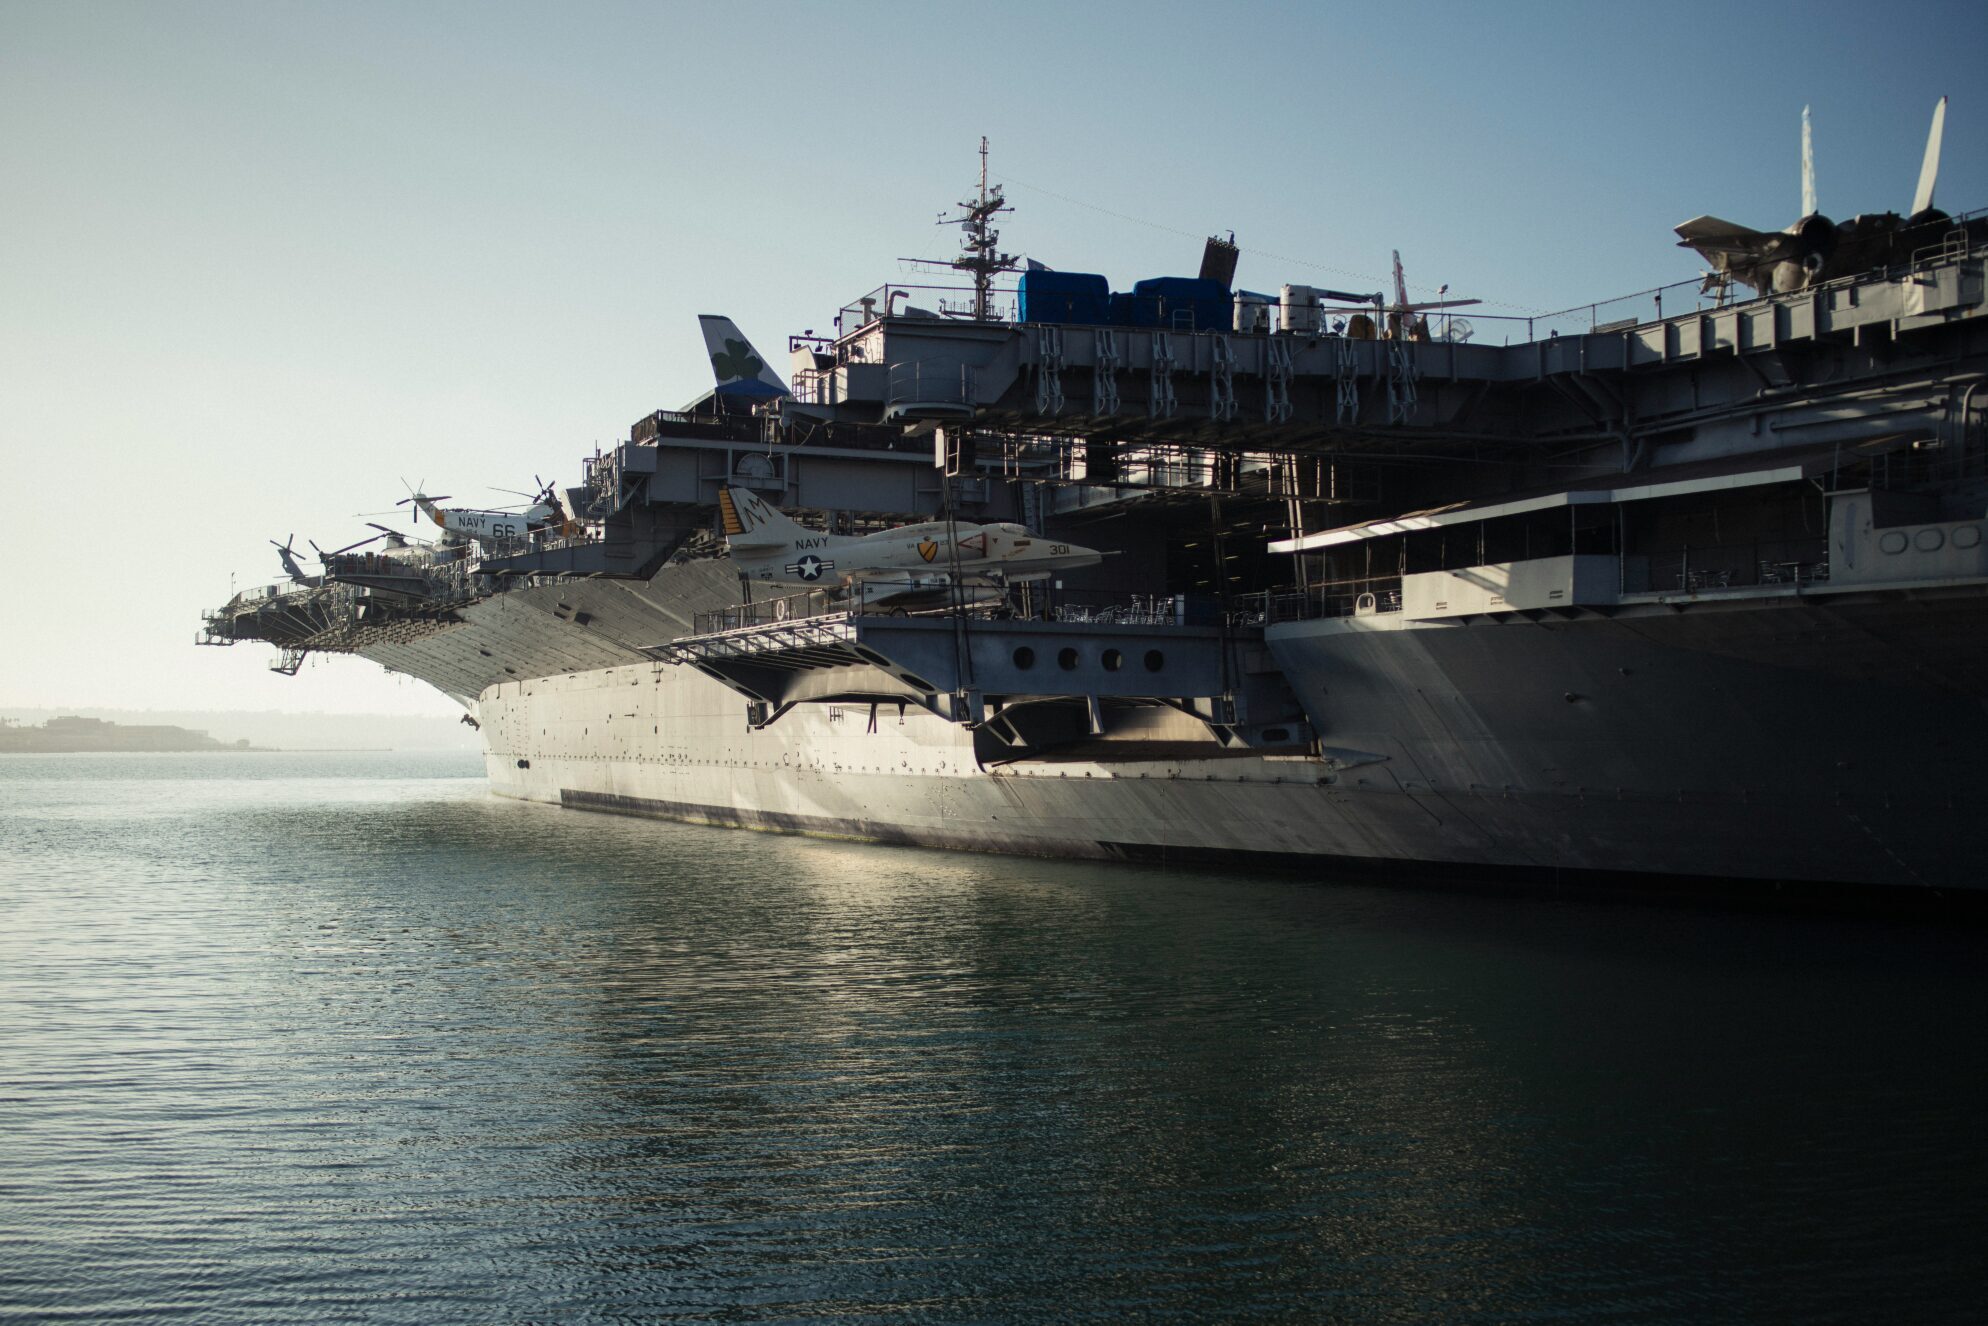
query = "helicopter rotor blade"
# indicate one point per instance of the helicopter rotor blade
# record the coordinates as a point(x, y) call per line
point(339, 552)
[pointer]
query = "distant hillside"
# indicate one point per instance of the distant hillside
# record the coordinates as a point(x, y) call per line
point(70, 732)
point(286, 731)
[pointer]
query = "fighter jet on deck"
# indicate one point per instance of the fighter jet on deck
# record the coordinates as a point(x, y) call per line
point(1816, 249)
point(769, 547)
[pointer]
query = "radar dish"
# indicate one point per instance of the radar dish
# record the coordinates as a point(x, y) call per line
point(756, 471)
point(1458, 329)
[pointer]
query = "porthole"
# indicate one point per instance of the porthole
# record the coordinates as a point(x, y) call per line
point(1929, 540)
point(1892, 541)
point(1067, 660)
point(1112, 660)
point(1155, 660)
point(1967, 536)
point(1024, 657)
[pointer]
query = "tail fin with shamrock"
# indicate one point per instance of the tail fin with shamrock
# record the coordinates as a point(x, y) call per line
point(740, 369)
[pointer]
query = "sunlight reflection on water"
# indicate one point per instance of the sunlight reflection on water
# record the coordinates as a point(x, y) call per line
point(315, 1038)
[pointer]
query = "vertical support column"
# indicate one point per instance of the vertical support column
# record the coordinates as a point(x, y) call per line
point(1401, 375)
point(1222, 381)
point(1104, 375)
point(1276, 380)
point(1161, 402)
point(1346, 381)
point(1048, 369)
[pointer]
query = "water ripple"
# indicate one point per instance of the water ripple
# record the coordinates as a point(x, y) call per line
point(338, 1038)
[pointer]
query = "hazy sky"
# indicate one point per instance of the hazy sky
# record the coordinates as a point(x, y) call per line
point(257, 262)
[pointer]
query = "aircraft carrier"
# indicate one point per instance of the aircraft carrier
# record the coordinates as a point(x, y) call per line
point(1690, 584)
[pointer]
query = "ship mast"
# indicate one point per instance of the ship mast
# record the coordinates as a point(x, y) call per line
point(979, 241)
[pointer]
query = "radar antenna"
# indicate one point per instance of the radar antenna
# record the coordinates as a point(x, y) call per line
point(979, 241)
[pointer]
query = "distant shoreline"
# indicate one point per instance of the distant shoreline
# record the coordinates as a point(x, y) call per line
point(145, 750)
point(22, 729)
point(244, 750)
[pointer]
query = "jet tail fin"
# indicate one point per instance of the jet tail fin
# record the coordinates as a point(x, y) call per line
point(1808, 167)
point(748, 522)
point(1929, 168)
point(740, 369)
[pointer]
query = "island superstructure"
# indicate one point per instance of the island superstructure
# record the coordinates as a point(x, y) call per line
point(1678, 585)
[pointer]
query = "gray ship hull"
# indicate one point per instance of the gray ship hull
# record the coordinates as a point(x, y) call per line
point(1759, 741)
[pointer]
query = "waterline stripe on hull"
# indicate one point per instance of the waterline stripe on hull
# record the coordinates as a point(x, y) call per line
point(1610, 885)
point(821, 826)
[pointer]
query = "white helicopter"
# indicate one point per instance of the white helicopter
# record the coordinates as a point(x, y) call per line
point(546, 512)
point(769, 547)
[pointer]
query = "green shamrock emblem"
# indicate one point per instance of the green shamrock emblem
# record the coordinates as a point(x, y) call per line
point(736, 360)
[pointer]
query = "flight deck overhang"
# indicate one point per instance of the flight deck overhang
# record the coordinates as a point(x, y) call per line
point(672, 477)
point(984, 672)
point(1466, 513)
point(943, 653)
point(1740, 472)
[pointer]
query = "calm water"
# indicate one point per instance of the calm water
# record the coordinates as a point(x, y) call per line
point(338, 1038)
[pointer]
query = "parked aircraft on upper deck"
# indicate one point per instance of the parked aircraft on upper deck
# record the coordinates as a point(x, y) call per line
point(1815, 249)
point(769, 547)
point(546, 512)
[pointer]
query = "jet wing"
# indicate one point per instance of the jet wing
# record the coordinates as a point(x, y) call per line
point(1709, 235)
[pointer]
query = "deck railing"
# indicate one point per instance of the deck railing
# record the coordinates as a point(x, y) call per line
point(915, 598)
point(1344, 598)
